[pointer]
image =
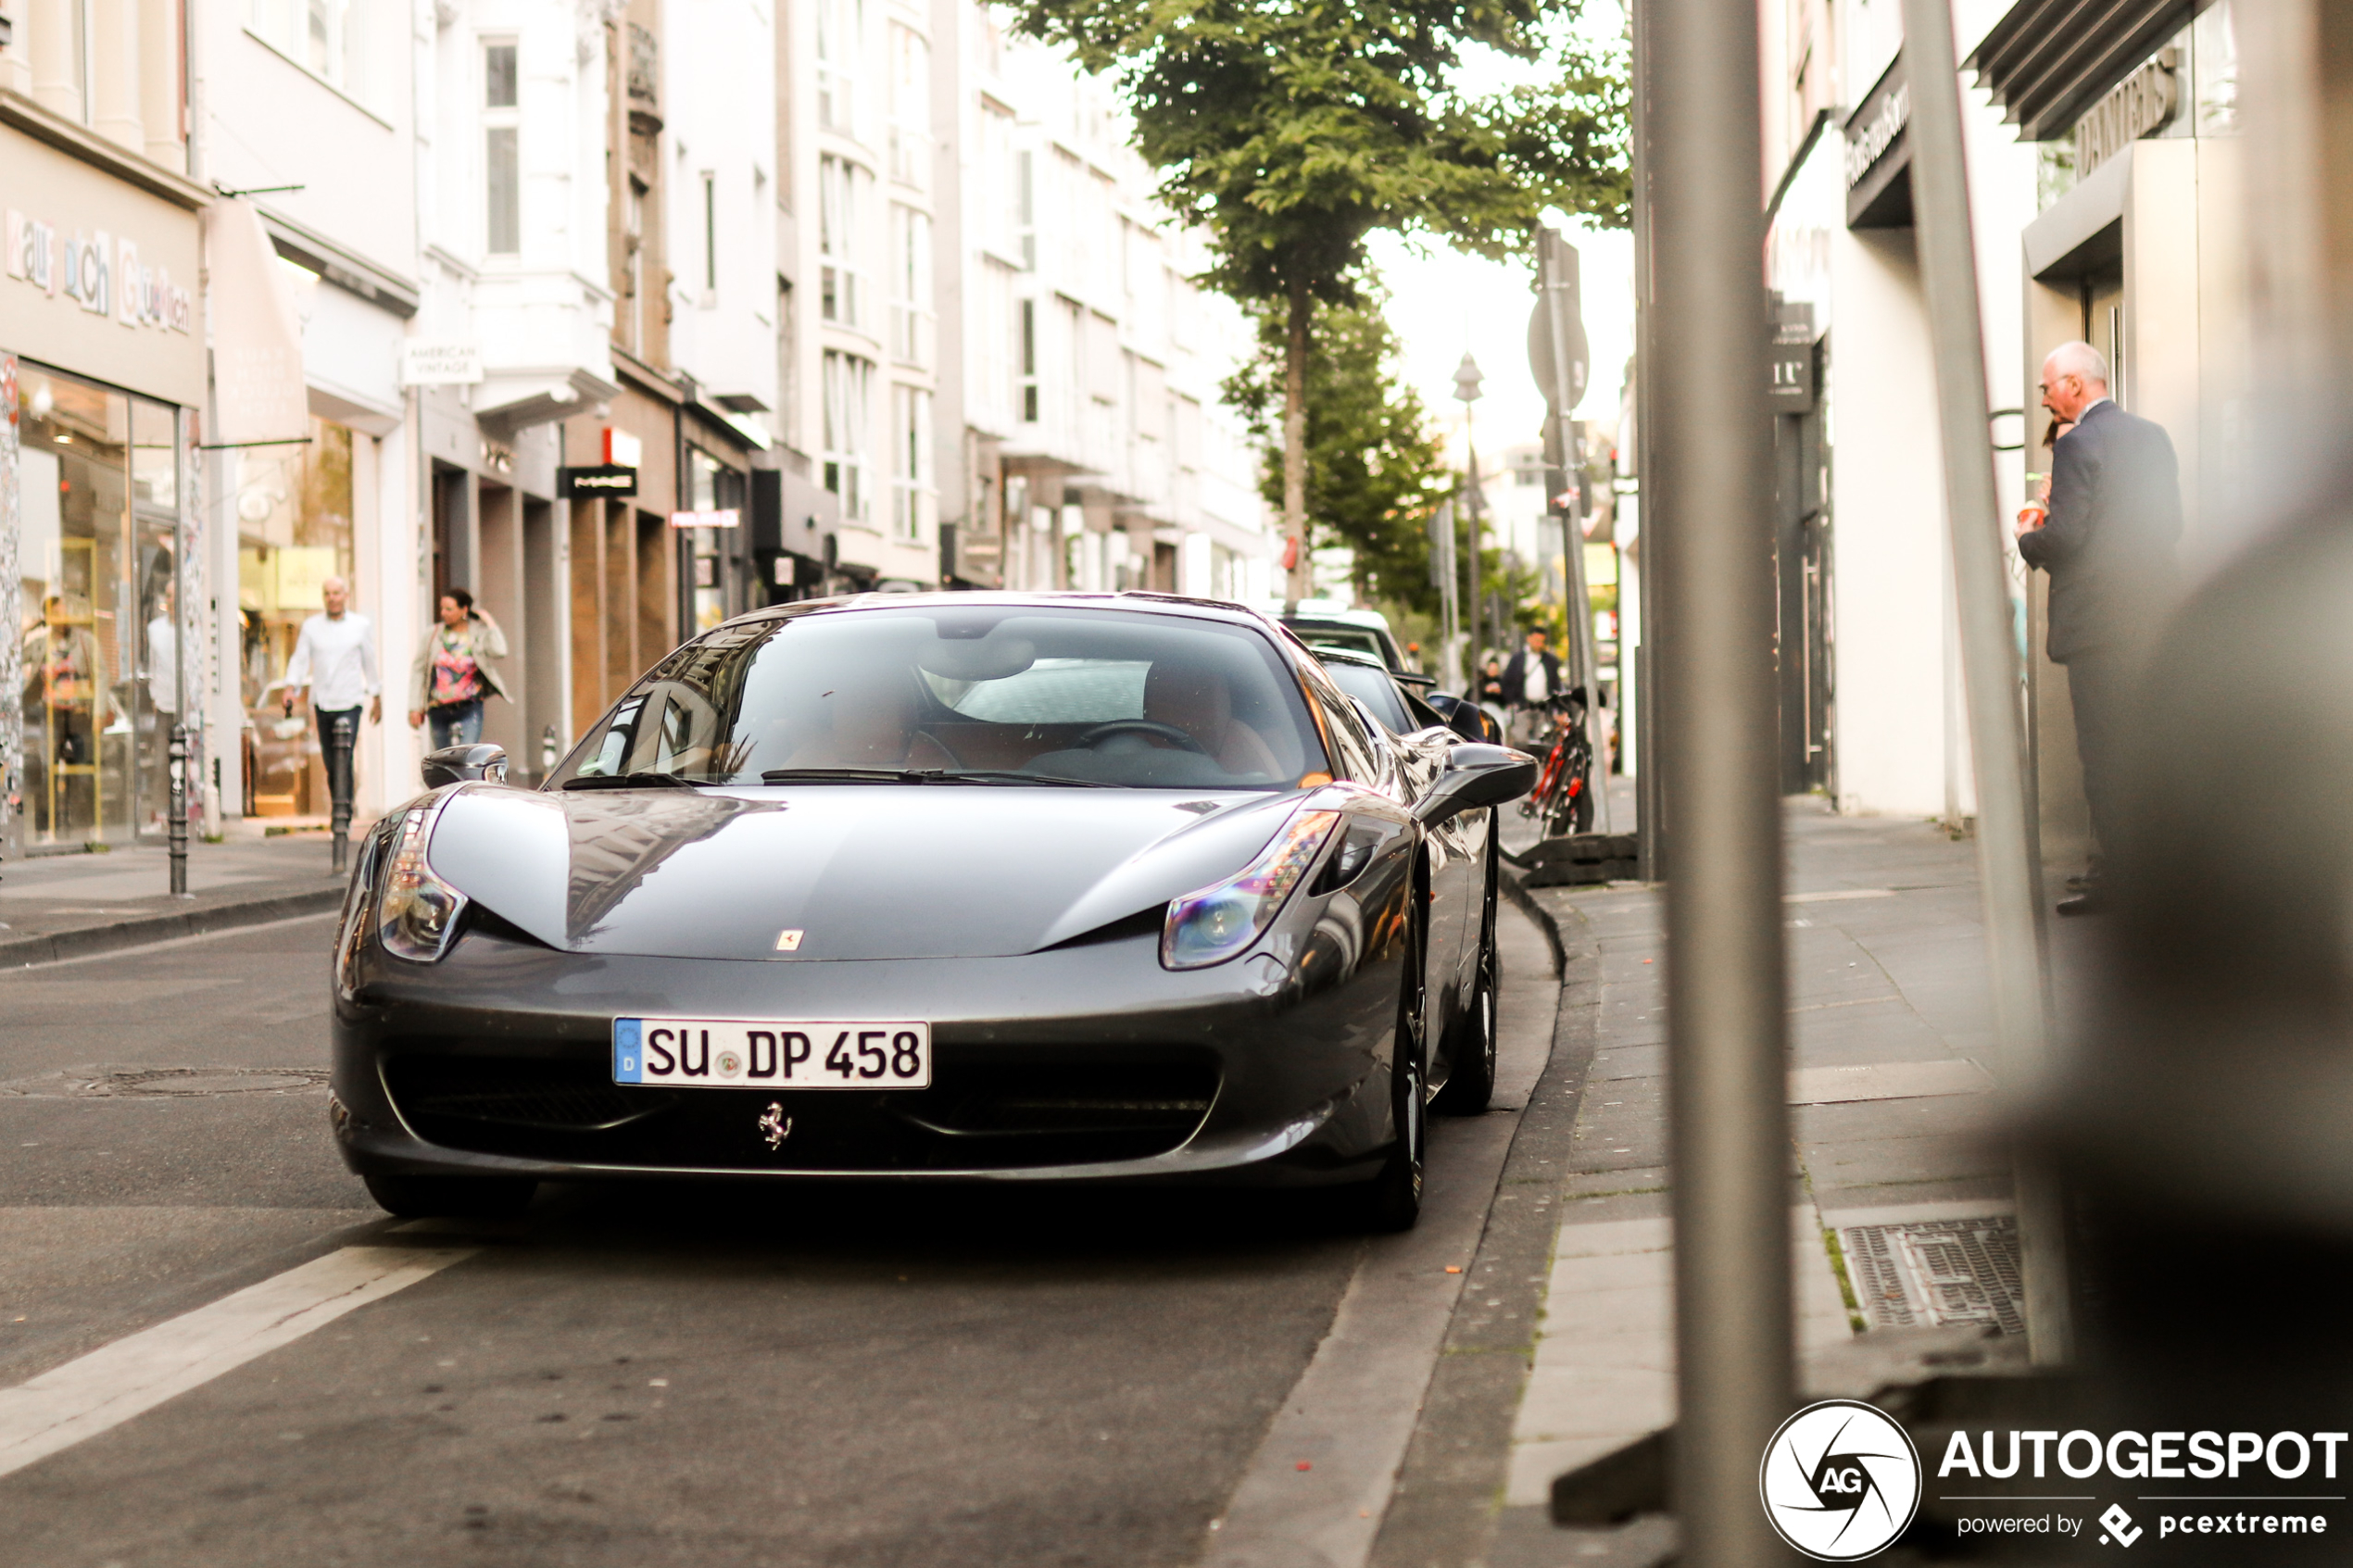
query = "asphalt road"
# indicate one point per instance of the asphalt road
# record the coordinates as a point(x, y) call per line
point(635, 1374)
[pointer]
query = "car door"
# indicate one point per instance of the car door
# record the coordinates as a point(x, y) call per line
point(1358, 756)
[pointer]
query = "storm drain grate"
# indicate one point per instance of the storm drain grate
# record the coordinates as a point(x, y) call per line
point(1938, 1271)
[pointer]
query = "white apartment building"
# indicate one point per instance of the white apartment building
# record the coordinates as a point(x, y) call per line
point(1093, 449)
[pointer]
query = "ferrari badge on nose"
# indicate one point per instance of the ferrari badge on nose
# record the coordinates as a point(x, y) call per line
point(776, 1123)
point(787, 941)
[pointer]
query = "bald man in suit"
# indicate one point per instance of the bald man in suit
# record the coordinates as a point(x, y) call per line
point(2107, 543)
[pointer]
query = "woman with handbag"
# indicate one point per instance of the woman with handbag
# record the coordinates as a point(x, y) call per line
point(456, 670)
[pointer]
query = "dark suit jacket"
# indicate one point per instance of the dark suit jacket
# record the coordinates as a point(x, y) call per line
point(2115, 511)
point(1515, 677)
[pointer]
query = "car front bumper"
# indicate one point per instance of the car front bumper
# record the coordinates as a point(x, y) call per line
point(1087, 1062)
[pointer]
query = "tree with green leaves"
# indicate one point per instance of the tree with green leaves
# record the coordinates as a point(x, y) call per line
point(1374, 470)
point(1292, 131)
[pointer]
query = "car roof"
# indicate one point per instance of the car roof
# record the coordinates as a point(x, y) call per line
point(1126, 600)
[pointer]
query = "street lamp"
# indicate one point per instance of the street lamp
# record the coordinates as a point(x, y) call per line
point(1467, 380)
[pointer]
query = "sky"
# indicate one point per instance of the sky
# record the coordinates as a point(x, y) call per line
point(1442, 302)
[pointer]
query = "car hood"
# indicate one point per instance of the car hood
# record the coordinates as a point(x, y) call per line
point(863, 872)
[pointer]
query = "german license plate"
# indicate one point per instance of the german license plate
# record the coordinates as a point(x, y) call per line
point(752, 1053)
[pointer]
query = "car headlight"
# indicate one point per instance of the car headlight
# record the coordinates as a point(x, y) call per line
point(1224, 919)
point(416, 913)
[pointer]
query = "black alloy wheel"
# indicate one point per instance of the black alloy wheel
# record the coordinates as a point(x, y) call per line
point(1392, 1199)
point(1470, 1058)
point(470, 1197)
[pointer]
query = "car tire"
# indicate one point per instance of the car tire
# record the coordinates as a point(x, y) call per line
point(429, 1198)
point(1470, 1059)
point(1391, 1201)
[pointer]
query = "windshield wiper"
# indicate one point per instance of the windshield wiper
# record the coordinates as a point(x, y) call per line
point(923, 775)
point(1016, 776)
point(637, 780)
point(842, 775)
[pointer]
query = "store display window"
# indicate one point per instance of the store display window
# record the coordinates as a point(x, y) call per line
point(293, 531)
point(98, 492)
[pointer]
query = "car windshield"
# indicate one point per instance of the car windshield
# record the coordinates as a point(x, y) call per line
point(994, 694)
point(1374, 689)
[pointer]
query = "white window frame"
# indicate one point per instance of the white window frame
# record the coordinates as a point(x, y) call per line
point(505, 117)
point(848, 388)
point(910, 460)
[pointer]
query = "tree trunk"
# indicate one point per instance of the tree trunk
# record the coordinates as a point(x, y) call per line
point(1295, 441)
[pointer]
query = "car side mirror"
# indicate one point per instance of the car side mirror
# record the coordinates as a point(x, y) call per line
point(457, 764)
point(1475, 778)
point(1462, 716)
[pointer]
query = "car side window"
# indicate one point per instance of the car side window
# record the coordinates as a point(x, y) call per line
point(1355, 756)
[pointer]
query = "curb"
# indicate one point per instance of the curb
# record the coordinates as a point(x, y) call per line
point(26, 951)
point(1513, 886)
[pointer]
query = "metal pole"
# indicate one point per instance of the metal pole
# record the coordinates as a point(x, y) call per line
point(1478, 584)
point(1553, 257)
point(176, 764)
point(1650, 778)
point(1727, 1029)
point(2008, 873)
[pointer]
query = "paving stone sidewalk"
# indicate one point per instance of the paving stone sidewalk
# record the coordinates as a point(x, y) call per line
point(57, 906)
point(1900, 1206)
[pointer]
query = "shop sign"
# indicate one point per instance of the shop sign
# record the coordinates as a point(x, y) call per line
point(2142, 102)
point(1868, 139)
point(428, 362)
point(96, 271)
point(726, 517)
point(1792, 359)
point(605, 479)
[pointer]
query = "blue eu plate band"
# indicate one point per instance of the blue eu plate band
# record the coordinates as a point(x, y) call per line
point(628, 1060)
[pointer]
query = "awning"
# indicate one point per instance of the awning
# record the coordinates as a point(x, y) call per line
point(2048, 61)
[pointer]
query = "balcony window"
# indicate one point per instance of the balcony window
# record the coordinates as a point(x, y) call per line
point(844, 190)
point(849, 389)
point(911, 444)
point(503, 161)
point(841, 29)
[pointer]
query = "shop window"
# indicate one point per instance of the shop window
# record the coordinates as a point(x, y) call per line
point(712, 486)
point(293, 531)
point(502, 153)
point(98, 494)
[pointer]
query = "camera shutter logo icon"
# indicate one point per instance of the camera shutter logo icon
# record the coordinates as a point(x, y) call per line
point(1840, 1481)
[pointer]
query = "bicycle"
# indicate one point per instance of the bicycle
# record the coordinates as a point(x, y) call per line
point(1563, 799)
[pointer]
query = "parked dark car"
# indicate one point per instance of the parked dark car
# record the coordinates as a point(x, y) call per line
point(972, 887)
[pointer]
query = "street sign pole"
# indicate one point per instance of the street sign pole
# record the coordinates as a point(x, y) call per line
point(2007, 856)
point(1726, 990)
point(1556, 285)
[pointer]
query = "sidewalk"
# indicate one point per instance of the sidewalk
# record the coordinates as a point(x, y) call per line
point(57, 906)
point(1901, 1214)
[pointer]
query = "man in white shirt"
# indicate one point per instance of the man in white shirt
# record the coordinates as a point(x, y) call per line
point(336, 657)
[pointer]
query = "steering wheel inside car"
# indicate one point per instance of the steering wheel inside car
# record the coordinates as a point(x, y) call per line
point(1143, 727)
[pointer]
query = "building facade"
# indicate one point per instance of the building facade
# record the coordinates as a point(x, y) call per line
point(623, 317)
point(102, 385)
point(2105, 195)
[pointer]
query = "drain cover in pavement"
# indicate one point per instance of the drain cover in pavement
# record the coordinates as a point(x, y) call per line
point(104, 1083)
point(1938, 1271)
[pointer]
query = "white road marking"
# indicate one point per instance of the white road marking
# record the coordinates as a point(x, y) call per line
point(110, 1386)
point(1838, 895)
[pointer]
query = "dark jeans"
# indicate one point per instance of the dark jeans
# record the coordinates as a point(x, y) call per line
point(2100, 684)
point(455, 723)
point(339, 749)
